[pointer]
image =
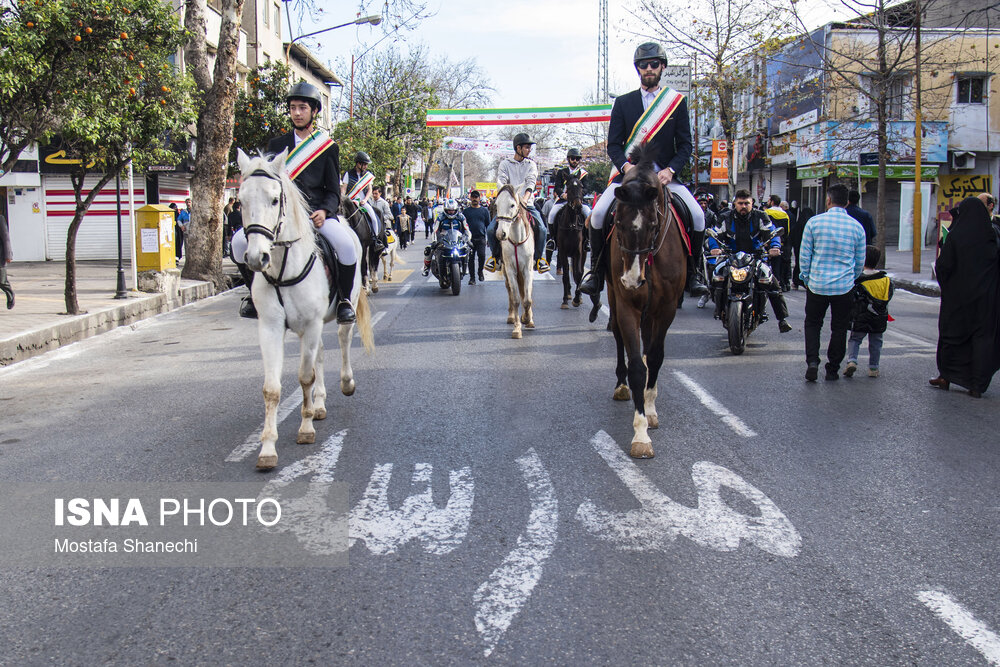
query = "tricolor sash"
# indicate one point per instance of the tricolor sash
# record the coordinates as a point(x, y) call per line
point(579, 172)
point(306, 152)
point(355, 192)
point(651, 121)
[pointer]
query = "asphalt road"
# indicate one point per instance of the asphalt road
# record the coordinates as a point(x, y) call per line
point(495, 515)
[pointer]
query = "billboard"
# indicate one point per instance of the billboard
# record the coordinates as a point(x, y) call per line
point(720, 162)
point(835, 141)
point(795, 79)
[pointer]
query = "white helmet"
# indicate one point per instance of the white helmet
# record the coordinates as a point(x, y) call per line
point(450, 208)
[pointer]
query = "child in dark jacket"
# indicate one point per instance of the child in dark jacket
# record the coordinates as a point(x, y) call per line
point(869, 313)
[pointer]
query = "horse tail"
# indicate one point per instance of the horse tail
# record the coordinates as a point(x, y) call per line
point(365, 323)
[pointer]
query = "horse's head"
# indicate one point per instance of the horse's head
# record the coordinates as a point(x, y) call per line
point(267, 197)
point(574, 191)
point(508, 209)
point(640, 216)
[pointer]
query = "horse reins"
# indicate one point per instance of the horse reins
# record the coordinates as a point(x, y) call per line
point(272, 236)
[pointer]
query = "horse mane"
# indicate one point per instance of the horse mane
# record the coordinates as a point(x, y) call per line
point(295, 205)
point(643, 157)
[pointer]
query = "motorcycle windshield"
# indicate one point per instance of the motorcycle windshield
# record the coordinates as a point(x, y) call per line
point(452, 238)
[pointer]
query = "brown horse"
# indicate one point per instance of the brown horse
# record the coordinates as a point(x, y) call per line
point(647, 267)
point(356, 219)
point(569, 224)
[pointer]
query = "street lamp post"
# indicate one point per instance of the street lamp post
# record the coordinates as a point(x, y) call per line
point(120, 292)
point(373, 20)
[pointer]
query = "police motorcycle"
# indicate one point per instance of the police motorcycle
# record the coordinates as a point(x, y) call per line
point(450, 262)
point(744, 299)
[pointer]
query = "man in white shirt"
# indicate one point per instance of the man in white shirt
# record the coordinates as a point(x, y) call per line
point(521, 172)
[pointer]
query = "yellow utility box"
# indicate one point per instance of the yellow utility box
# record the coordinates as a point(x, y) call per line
point(154, 238)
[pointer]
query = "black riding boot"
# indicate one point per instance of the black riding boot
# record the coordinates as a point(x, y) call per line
point(247, 309)
point(593, 282)
point(345, 285)
point(697, 283)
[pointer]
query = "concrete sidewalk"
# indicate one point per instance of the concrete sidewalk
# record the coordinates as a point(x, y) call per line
point(38, 322)
point(899, 266)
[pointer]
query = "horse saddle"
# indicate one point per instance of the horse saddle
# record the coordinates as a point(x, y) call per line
point(329, 257)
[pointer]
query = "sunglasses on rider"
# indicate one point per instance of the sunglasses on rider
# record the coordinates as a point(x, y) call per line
point(648, 64)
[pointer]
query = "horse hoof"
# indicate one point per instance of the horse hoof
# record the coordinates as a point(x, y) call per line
point(641, 450)
point(622, 393)
point(529, 324)
point(515, 334)
point(267, 462)
point(577, 301)
point(319, 414)
point(652, 421)
point(511, 320)
point(375, 289)
point(306, 438)
point(564, 306)
point(347, 387)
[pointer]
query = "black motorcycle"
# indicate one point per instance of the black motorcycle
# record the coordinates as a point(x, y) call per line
point(743, 298)
point(450, 262)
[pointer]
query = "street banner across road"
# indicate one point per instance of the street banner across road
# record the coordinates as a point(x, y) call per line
point(594, 113)
point(464, 144)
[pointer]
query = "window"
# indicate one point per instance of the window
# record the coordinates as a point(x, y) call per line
point(970, 89)
point(267, 18)
point(897, 96)
point(277, 21)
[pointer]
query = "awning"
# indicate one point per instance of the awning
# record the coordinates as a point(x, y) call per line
point(898, 171)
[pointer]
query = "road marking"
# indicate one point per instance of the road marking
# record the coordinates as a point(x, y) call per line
point(606, 311)
point(440, 530)
point(711, 523)
point(910, 338)
point(404, 289)
point(252, 443)
point(375, 320)
point(710, 402)
point(959, 619)
point(501, 597)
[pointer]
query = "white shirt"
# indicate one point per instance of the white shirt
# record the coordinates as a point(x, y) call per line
point(648, 96)
point(522, 175)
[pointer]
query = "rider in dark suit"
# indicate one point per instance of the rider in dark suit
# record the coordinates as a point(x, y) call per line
point(673, 152)
point(319, 183)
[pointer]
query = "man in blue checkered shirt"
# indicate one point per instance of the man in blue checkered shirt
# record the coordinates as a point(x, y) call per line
point(831, 257)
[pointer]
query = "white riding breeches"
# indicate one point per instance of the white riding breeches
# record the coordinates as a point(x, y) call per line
point(333, 230)
point(558, 205)
point(372, 217)
point(604, 203)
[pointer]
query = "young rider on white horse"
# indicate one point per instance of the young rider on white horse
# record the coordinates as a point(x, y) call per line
point(313, 163)
point(357, 186)
point(521, 172)
point(652, 114)
point(449, 218)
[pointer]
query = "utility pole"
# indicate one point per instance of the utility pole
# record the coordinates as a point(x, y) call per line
point(602, 52)
point(697, 146)
point(918, 208)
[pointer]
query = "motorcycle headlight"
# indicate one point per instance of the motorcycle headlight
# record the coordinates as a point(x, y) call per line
point(739, 275)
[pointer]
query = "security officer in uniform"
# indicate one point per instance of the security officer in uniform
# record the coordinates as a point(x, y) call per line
point(319, 183)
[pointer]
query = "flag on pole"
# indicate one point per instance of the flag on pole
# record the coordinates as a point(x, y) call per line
point(593, 113)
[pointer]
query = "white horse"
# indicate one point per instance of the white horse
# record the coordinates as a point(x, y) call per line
point(390, 258)
point(292, 293)
point(518, 247)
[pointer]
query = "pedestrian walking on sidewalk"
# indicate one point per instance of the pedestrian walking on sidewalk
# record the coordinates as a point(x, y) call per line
point(869, 313)
point(6, 255)
point(833, 256)
point(968, 271)
point(861, 215)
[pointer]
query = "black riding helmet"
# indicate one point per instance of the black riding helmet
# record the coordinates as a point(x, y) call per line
point(649, 50)
point(362, 157)
point(573, 152)
point(307, 93)
point(520, 139)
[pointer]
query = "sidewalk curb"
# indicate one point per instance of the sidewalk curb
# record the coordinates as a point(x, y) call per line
point(43, 339)
point(922, 287)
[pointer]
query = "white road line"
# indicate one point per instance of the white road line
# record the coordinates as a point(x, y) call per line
point(501, 597)
point(606, 311)
point(252, 443)
point(709, 401)
point(404, 289)
point(958, 618)
point(711, 523)
point(378, 316)
point(910, 339)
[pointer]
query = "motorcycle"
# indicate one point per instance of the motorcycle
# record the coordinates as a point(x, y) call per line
point(744, 300)
point(450, 262)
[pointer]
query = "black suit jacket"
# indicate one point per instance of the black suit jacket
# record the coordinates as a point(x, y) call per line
point(673, 141)
point(319, 183)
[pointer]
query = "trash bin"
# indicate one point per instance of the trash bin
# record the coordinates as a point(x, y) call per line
point(154, 238)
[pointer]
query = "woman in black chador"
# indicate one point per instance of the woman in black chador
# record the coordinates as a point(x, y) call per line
point(968, 271)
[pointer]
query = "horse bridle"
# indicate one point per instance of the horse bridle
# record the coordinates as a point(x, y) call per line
point(271, 234)
point(653, 249)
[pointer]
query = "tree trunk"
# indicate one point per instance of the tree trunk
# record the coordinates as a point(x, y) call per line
point(215, 136)
point(882, 109)
point(82, 206)
point(427, 173)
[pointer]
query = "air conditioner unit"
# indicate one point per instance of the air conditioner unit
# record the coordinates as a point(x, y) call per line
point(963, 160)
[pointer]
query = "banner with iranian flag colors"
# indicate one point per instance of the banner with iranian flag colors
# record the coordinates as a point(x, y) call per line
point(593, 113)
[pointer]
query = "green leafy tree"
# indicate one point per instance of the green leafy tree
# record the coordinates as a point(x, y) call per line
point(125, 102)
point(359, 134)
point(261, 111)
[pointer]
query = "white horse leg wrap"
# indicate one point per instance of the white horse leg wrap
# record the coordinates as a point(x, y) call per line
point(239, 246)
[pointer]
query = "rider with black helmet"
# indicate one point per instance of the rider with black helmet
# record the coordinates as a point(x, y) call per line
point(357, 186)
point(673, 150)
point(318, 180)
point(521, 172)
point(573, 157)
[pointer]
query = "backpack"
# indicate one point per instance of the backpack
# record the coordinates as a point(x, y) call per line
point(868, 313)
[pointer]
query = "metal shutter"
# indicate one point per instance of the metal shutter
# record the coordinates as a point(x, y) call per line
point(97, 237)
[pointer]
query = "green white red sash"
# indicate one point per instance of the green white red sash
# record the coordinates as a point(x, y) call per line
point(306, 152)
point(579, 172)
point(359, 187)
point(652, 121)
